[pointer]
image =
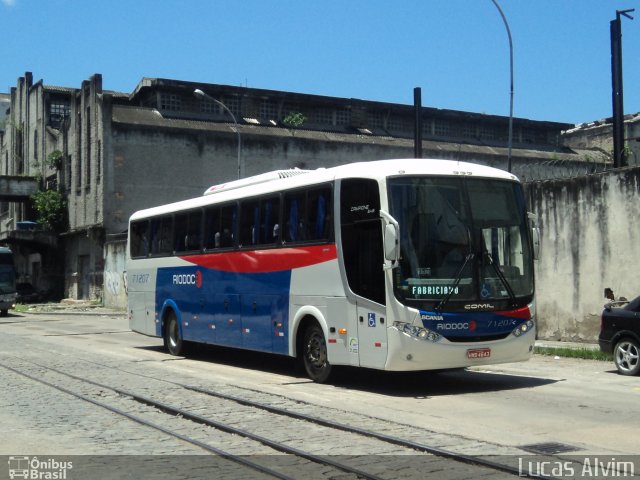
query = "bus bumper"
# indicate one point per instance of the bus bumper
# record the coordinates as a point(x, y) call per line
point(407, 353)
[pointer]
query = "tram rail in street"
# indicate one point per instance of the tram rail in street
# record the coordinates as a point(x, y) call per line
point(382, 443)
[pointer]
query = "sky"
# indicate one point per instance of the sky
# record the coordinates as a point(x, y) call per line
point(456, 51)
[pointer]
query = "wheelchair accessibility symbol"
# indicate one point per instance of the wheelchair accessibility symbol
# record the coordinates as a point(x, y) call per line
point(372, 319)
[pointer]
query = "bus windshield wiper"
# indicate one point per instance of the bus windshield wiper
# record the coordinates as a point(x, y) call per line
point(456, 282)
point(505, 282)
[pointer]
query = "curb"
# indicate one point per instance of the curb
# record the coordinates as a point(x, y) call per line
point(61, 309)
point(572, 345)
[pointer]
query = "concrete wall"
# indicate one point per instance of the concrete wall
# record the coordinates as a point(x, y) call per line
point(115, 295)
point(590, 240)
point(84, 265)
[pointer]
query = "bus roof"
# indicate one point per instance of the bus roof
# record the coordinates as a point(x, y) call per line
point(376, 169)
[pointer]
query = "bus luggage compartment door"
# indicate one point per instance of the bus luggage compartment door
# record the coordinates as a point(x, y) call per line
point(372, 336)
point(227, 320)
point(142, 313)
point(263, 323)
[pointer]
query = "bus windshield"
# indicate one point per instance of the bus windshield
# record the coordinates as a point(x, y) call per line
point(463, 241)
point(7, 277)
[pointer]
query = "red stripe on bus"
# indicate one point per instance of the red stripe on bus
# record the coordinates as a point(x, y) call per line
point(263, 261)
point(523, 313)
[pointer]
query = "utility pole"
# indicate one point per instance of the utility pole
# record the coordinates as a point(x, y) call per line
point(619, 154)
point(417, 138)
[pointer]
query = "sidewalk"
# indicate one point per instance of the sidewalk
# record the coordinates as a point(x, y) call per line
point(559, 344)
point(73, 307)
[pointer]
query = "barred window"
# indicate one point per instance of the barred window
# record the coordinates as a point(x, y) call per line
point(170, 101)
point(442, 128)
point(375, 119)
point(397, 123)
point(268, 110)
point(57, 112)
point(323, 116)
point(467, 130)
point(343, 117)
point(528, 135)
point(233, 104)
point(207, 106)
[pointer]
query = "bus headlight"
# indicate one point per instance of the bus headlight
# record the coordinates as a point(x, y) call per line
point(416, 332)
point(523, 328)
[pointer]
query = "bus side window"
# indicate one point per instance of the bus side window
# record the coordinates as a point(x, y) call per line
point(179, 233)
point(270, 221)
point(187, 231)
point(319, 214)
point(211, 228)
point(139, 239)
point(295, 209)
point(249, 223)
point(194, 233)
point(161, 235)
point(228, 225)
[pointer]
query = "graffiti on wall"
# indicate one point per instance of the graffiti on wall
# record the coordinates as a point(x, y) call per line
point(113, 282)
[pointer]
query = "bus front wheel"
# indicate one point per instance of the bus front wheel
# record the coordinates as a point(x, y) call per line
point(172, 338)
point(314, 354)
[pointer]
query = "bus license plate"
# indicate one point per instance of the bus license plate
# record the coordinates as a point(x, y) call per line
point(479, 353)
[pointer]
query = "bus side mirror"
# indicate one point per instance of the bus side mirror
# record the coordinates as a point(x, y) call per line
point(391, 239)
point(535, 234)
point(391, 243)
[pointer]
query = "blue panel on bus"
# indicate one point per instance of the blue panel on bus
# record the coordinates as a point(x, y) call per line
point(473, 324)
point(244, 310)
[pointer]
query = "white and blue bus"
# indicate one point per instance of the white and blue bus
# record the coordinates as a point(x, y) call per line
point(401, 265)
point(7, 281)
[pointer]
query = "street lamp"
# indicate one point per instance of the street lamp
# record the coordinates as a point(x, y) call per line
point(506, 24)
point(201, 95)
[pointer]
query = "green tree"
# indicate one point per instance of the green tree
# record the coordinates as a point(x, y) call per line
point(51, 207)
point(294, 120)
point(54, 160)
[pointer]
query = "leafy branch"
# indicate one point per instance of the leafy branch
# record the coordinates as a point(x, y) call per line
point(51, 207)
point(294, 120)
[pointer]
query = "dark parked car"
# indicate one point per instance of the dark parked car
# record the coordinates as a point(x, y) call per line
point(620, 335)
point(27, 293)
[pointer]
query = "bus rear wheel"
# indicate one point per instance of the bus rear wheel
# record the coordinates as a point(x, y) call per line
point(172, 339)
point(314, 354)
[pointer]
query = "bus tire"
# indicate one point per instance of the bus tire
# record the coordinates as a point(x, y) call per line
point(173, 341)
point(4, 312)
point(314, 354)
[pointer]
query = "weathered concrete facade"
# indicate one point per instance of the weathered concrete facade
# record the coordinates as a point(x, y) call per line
point(597, 135)
point(590, 240)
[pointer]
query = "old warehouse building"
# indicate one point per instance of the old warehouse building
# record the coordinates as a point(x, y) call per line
point(108, 154)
